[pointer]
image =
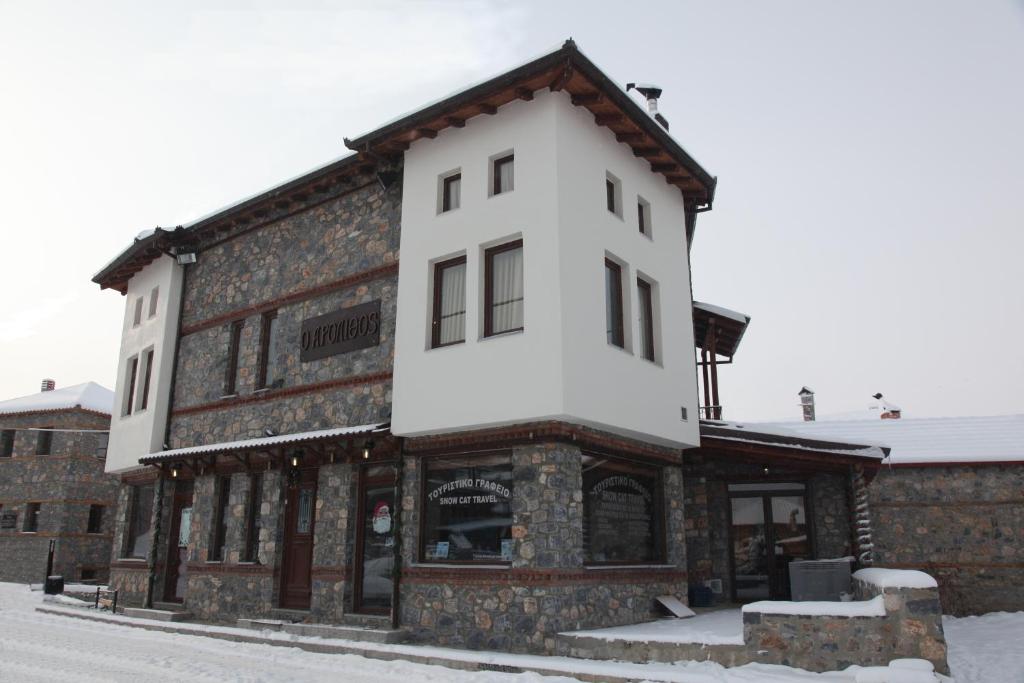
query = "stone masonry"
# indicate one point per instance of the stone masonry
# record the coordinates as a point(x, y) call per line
point(547, 589)
point(963, 524)
point(65, 482)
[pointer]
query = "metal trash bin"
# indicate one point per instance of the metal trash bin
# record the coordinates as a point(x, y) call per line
point(54, 585)
point(824, 580)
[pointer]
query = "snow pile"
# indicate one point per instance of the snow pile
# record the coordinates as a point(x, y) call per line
point(875, 607)
point(895, 578)
point(721, 627)
point(90, 396)
point(899, 671)
point(986, 649)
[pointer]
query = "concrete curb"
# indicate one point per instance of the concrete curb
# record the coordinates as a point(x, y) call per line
point(353, 648)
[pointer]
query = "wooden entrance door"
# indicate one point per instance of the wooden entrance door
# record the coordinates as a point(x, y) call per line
point(176, 569)
point(375, 540)
point(297, 561)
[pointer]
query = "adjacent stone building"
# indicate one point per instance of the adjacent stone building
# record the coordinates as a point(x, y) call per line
point(52, 484)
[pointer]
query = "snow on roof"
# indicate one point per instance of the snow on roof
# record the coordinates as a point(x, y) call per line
point(90, 396)
point(262, 442)
point(914, 441)
point(722, 312)
point(772, 435)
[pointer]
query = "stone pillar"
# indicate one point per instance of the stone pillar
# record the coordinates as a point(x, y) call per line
point(334, 541)
point(547, 507)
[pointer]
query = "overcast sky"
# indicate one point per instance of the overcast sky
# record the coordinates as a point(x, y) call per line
point(870, 201)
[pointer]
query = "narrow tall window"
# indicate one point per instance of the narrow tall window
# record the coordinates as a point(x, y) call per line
point(147, 373)
point(137, 320)
point(646, 301)
point(449, 319)
point(44, 441)
point(31, 523)
point(154, 296)
point(140, 532)
point(451, 192)
point(613, 303)
point(132, 372)
point(7, 443)
point(503, 288)
point(220, 520)
point(231, 372)
point(504, 174)
point(613, 194)
point(643, 216)
point(102, 441)
point(252, 518)
point(269, 367)
point(95, 525)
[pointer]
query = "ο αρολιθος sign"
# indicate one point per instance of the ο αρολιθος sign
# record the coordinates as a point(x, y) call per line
point(350, 329)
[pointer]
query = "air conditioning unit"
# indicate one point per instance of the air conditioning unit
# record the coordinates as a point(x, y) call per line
point(823, 580)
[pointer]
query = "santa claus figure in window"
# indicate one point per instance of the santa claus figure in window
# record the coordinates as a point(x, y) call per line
point(381, 518)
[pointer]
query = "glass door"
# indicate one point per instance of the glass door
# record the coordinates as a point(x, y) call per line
point(769, 529)
point(375, 544)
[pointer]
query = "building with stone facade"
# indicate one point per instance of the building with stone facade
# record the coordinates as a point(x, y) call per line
point(448, 384)
point(52, 484)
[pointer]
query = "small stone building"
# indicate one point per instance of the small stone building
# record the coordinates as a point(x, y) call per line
point(52, 484)
point(949, 500)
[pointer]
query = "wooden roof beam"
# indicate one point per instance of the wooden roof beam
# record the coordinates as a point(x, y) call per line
point(426, 133)
point(455, 122)
point(663, 168)
point(562, 78)
point(646, 152)
point(588, 98)
point(629, 137)
point(524, 94)
point(608, 119)
point(487, 108)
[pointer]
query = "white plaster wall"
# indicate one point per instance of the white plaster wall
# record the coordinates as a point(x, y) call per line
point(142, 432)
point(603, 384)
point(560, 366)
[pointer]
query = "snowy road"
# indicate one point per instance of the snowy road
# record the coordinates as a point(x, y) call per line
point(37, 647)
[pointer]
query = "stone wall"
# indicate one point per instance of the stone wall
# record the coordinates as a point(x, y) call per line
point(911, 627)
point(65, 483)
point(334, 548)
point(962, 524)
point(547, 588)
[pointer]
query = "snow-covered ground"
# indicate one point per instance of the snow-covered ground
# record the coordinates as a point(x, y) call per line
point(720, 627)
point(37, 647)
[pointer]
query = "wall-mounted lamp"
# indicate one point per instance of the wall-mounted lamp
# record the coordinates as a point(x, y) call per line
point(297, 458)
point(175, 468)
point(766, 469)
point(367, 447)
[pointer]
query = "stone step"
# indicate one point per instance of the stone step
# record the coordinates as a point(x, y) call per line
point(156, 614)
point(289, 615)
point(169, 606)
point(261, 624)
point(364, 634)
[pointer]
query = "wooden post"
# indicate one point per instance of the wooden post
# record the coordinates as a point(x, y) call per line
point(716, 409)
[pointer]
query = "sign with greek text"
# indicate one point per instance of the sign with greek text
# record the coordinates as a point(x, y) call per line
point(350, 329)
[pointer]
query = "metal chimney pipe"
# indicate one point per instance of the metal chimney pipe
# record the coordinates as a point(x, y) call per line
point(48, 385)
point(807, 403)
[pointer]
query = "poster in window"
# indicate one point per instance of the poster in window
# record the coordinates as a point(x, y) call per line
point(621, 522)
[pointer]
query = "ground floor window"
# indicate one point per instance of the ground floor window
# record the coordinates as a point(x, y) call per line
point(622, 512)
point(467, 509)
point(140, 533)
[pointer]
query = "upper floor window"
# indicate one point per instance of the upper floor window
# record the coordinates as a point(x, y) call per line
point(95, 524)
point(137, 319)
point(102, 441)
point(451, 192)
point(613, 303)
point(449, 317)
point(270, 367)
point(131, 374)
point(147, 373)
point(7, 443)
point(613, 194)
point(645, 298)
point(231, 370)
point(252, 519)
point(31, 523)
point(154, 296)
point(44, 442)
point(503, 174)
point(643, 216)
point(503, 288)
